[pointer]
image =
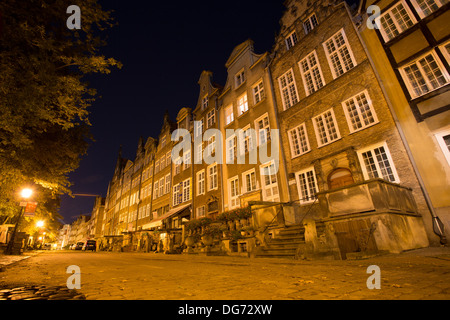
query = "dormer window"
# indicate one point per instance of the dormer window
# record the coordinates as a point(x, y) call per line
point(310, 23)
point(291, 40)
point(240, 78)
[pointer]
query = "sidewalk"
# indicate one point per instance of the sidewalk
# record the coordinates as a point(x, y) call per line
point(6, 260)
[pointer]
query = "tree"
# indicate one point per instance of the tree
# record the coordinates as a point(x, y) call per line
point(44, 97)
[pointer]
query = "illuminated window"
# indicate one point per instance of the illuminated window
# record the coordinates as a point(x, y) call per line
point(258, 92)
point(263, 129)
point(229, 115)
point(242, 104)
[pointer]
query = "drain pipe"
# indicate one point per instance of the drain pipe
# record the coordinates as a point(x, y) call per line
point(438, 226)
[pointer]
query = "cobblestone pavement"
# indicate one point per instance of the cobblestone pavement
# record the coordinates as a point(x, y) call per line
point(419, 274)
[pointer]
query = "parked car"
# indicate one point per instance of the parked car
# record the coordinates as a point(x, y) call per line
point(79, 245)
point(47, 246)
point(90, 245)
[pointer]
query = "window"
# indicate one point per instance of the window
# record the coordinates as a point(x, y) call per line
point(246, 140)
point(234, 192)
point(177, 166)
point(161, 187)
point(231, 149)
point(424, 75)
point(249, 180)
point(167, 190)
point(376, 162)
point(311, 73)
point(426, 7)
point(310, 23)
point(187, 190)
point(163, 142)
point(157, 166)
point(176, 195)
point(168, 158)
point(200, 212)
point(201, 182)
point(211, 147)
point(394, 21)
point(258, 92)
point(269, 182)
point(210, 118)
point(445, 49)
point(199, 158)
point(187, 159)
point(288, 89)
point(443, 139)
point(298, 139)
point(239, 78)
point(199, 128)
point(291, 40)
point(339, 54)
point(307, 185)
point(155, 190)
point(242, 104)
point(263, 129)
point(359, 112)
point(326, 128)
point(229, 115)
point(205, 102)
point(212, 177)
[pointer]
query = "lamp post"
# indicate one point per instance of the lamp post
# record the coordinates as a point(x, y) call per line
point(25, 193)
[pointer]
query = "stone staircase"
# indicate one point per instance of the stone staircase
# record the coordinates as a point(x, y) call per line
point(282, 242)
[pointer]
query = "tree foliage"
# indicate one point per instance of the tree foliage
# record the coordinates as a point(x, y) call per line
point(44, 95)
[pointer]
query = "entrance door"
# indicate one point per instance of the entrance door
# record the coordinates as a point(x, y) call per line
point(340, 178)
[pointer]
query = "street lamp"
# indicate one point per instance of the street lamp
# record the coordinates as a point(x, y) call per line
point(40, 224)
point(26, 193)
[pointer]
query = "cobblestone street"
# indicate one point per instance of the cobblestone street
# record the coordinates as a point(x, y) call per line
point(419, 274)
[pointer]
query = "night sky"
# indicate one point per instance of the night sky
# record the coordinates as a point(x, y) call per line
point(164, 46)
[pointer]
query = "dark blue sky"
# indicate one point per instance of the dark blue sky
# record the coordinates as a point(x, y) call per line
point(164, 46)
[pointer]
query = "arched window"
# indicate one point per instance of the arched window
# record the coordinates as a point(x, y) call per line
point(339, 178)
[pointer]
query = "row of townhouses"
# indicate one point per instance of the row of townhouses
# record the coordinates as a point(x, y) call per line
point(334, 143)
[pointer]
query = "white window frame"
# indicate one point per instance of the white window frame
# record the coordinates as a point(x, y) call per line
point(271, 186)
point(311, 24)
point(383, 32)
point(242, 104)
point(246, 140)
point(359, 114)
point(444, 51)
point(210, 118)
point(233, 148)
point(310, 71)
point(187, 160)
point(265, 130)
point(423, 73)
point(308, 194)
point(161, 186)
point(201, 181)
point(199, 128)
point(291, 40)
point(233, 199)
point(440, 140)
point(327, 133)
point(156, 190)
point(239, 78)
point(376, 163)
point(258, 92)
point(201, 212)
point(229, 117)
point(339, 55)
point(420, 11)
point(245, 185)
point(167, 184)
point(187, 190)
point(291, 89)
point(212, 178)
point(176, 194)
point(304, 146)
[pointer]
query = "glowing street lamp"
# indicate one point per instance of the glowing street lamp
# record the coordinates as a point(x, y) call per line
point(40, 224)
point(26, 193)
